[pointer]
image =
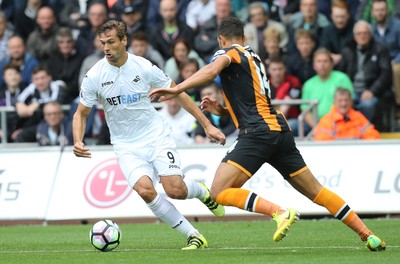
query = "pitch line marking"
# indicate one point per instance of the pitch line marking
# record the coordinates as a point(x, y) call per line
point(174, 249)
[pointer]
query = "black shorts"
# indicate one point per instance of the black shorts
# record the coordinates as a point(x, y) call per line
point(250, 151)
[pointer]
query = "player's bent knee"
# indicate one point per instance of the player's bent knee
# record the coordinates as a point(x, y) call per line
point(147, 194)
point(176, 193)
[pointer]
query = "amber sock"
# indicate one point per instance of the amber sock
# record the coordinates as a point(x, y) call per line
point(338, 208)
point(247, 200)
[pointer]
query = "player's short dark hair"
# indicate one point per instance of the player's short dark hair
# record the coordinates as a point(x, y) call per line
point(231, 27)
point(119, 26)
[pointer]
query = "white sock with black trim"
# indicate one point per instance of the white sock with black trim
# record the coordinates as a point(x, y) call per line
point(166, 212)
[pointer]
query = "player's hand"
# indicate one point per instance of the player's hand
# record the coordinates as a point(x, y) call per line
point(163, 94)
point(212, 106)
point(81, 151)
point(215, 135)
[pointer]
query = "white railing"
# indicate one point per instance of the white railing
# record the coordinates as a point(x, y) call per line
point(3, 116)
point(312, 107)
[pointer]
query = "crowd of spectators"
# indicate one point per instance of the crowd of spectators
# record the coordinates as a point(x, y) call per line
point(309, 47)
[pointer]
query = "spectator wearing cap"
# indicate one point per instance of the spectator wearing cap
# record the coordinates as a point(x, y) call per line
point(258, 22)
point(133, 20)
point(121, 7)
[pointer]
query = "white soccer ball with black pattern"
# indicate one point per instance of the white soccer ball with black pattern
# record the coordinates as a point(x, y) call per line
point(105, 235)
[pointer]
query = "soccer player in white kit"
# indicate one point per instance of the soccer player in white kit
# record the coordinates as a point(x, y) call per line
point(141, 139)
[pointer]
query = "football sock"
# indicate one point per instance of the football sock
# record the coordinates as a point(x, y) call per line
point(194, 190)
point(247, 200)
point(342, 211)
point(166, 212)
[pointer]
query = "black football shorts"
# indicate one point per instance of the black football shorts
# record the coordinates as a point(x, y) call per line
point(251, 150)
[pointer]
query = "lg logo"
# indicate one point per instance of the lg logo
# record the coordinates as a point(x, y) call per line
point(105, 185)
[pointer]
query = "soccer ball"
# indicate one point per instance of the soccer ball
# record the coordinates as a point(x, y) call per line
point(105, 235)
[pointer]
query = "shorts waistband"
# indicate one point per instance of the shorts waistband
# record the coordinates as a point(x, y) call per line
point(250, 130)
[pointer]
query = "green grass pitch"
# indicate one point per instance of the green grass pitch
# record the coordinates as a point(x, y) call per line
point(309, 241)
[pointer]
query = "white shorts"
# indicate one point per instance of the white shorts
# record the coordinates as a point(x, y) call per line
point(161, 159)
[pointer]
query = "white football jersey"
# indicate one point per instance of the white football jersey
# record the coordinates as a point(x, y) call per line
point(123, 92)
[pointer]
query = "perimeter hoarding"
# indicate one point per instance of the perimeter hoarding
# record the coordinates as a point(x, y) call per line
point(36, 184)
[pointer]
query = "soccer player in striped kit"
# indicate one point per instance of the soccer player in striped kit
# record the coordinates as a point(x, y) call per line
point(264, 136)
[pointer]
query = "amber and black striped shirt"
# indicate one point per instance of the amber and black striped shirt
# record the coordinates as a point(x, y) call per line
point(247, 92)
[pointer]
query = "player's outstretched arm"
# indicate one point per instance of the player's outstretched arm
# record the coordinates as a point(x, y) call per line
point(203, 76)
point(78, 130)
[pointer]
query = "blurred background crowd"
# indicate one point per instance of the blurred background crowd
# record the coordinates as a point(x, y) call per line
point(343, 53)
